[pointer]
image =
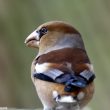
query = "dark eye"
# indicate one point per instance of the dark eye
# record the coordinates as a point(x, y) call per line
point(42, 31)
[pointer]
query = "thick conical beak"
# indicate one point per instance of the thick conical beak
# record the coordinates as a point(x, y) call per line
point(32, 40)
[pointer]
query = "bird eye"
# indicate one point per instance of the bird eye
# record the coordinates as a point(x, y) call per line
point(42, 31)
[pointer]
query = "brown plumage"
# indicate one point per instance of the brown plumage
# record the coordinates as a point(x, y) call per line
point(60, 47)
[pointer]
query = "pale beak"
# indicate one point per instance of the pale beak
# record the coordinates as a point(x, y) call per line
point(32, 40)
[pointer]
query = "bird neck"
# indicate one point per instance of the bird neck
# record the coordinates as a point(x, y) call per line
point(68, 41)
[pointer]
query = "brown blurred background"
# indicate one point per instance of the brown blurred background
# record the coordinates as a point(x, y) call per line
point(18, 18)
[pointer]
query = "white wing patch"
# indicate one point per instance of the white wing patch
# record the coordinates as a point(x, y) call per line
point(41, 68)
point(90, 67)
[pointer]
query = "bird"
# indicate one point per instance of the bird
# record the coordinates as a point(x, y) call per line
point(61, 71)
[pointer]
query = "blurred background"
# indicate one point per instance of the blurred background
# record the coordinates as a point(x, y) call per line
point(18, 18)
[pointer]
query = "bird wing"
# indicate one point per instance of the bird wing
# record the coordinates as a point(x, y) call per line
point(57, 67)
point(71, 82)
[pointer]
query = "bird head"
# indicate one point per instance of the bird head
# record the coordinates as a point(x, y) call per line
point(54, 35)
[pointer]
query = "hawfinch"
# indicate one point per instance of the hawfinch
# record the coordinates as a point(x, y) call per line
point(61, 72)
